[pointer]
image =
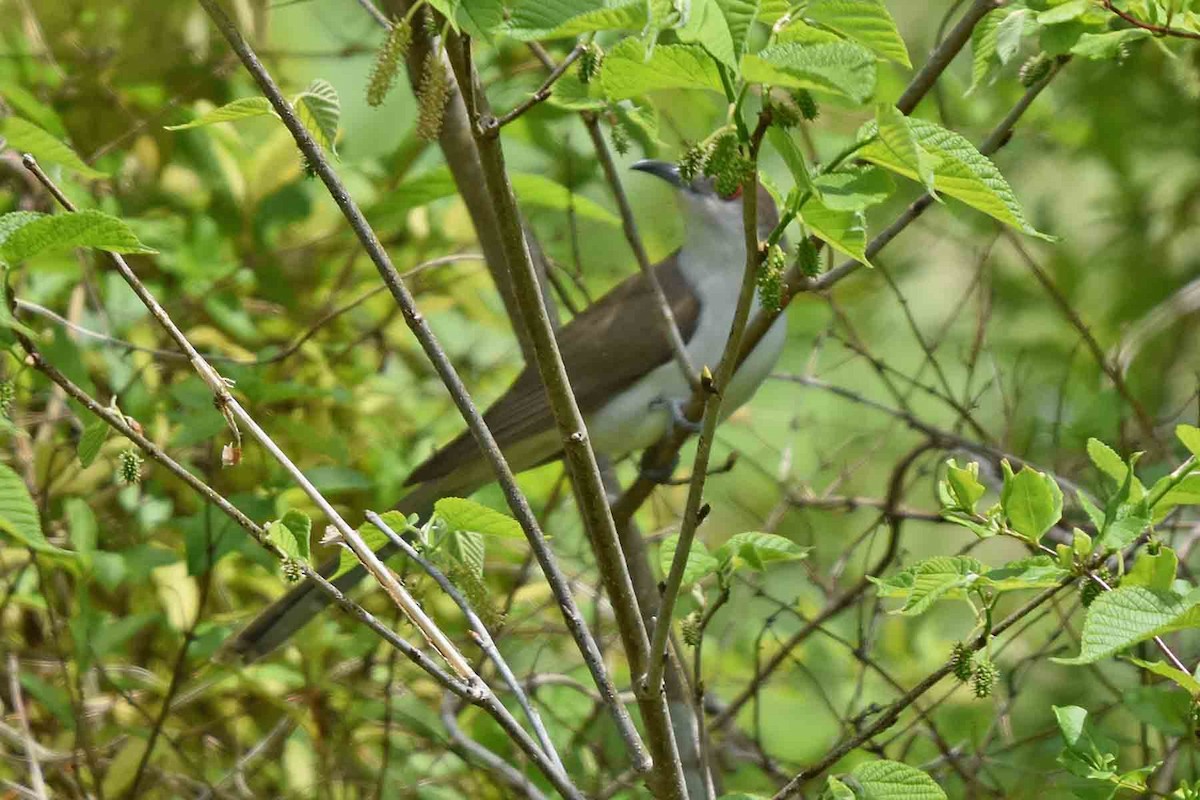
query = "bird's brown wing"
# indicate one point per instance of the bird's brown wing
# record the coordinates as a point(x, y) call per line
point(605, 349)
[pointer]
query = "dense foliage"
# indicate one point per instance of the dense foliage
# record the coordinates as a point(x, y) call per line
point(945, 551)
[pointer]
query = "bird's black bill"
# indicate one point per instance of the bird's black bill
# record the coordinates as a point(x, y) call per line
point(662, 169)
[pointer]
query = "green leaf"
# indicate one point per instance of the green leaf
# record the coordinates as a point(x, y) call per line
point(538, 190)
point(1033, 572)
point(699, 562)
point(1032, 502)
point(1180, 677)
point(1112, 465)
point(81, 524)
point(922, 585)
point(839, 68)
point(782, 141)
point(853, 188)
point(319, 109)
point(757, 549)
point(866, 22)
point(739, 16)
point(480, 18)
point(1190, 436)
point(291, 534)
point(558, 19)
point(78, 229)
point(466, 515)
point(898, 135)
point(844, 231)
point(962, 485)
point(626, 72)
point(891, 780)
point(25, 137)
point(1153, 570)
point(961, 171)
point(1184, 493)
point(373, 538)
point(1072, 721)
point(242, 108)
point(468, 548)
point(1107, 46)
point(983, 46)
point(800, 31)
point(91, 441)
point(706, 26)
point(18, 515)
point(1130, 614)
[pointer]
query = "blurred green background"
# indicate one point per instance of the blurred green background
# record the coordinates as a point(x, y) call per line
point(252, 255)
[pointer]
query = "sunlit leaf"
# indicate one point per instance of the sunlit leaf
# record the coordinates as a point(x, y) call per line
point(242, 108)
point(26, 137)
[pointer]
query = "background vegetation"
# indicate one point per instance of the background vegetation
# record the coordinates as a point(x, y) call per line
point(967, 340)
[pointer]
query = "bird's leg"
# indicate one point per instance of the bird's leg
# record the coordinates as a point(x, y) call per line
point(677, 420)
point(674, 408)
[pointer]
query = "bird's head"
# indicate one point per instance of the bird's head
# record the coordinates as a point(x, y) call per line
point(706, 210)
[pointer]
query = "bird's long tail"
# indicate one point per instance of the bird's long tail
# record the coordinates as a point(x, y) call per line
point(287, 615)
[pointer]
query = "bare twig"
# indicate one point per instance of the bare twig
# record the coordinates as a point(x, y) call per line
point(36, 781)
point(1157, 30)
point(492, 127)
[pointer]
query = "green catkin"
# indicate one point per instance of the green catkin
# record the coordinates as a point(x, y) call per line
point(129, 466)
point(387, 62)
point(690, 627)
point(983, 682)
point(691, 163)
point(807, 259)
point(725, 164)
point(8, 393)
point(960, 661)
point(306, 167)
point(590, 60)
point(805, 104)
point(434, 92)
point(770, 279)
point(476, 593)
point(1034, 69)
point(291, 570)
point(1089, 589)
point(620, 135)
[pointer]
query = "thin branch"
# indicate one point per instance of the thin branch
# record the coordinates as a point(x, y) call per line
point(493, 126)
point(449, 376)
point(36, 781)
point(1157, 30)
point(578, 454)
point(1085, 333)
point(692, 514)
point(472, 751)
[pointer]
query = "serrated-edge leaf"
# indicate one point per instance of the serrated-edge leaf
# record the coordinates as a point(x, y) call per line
point(626, 72)
point(758, 549)
point(469, 548)
point(891, 780)
point(480, 18)
point(853, 187)
point(319, 109)
point(26, 137)
point(895, 131)
point(961, 172)
point(983, 46)
point(1111, 464)
point(76, 229)
point(706, 26)
point(18, 514)
point(866, 22)
point(840, 68)
point(557, 19)
point(242, 108)
point(1032, 502)
point(739, 16)
point(844, 231)
point(466, 515)
point(1130, 614)
point(1171, 673)
point(91, 441)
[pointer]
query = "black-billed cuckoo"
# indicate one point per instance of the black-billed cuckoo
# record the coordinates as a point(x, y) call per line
point(628, 385)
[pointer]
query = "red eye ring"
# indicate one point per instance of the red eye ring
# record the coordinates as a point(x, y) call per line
point(734, 195)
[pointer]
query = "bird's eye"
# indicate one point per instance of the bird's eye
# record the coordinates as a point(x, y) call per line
point(734, 195)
